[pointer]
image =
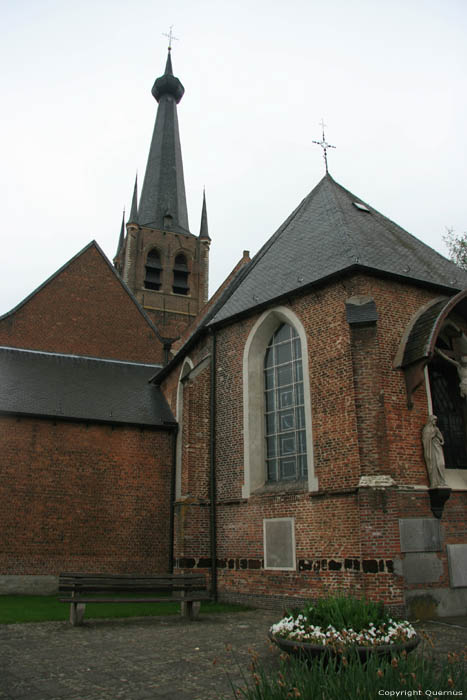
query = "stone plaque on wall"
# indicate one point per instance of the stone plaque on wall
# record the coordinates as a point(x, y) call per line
point(279, 543)
point(420, 534)
point(422, 568)
point(457, 558)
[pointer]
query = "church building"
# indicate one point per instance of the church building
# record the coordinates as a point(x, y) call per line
point(279, 437)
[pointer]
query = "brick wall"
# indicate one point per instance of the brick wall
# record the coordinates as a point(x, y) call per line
point(83, 497)
point(172, 313)
point(83, 310)
point(346, 537)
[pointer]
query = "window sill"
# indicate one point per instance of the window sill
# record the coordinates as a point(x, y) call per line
point(282, 488)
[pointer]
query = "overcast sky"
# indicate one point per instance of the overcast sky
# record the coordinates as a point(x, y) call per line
point(387, 76)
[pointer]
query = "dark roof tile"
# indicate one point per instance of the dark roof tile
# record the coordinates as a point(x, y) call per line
point(326, 235)
point(80, 388)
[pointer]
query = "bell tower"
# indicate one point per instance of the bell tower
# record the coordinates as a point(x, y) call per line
point(163, 263)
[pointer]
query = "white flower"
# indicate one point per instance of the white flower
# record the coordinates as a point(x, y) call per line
point(299, 629)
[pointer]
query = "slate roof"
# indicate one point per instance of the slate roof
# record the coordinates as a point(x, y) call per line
point(80, 388)
point(163, 191)
point(328, 234)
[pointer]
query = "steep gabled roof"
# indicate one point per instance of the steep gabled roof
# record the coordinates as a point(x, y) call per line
point(329, 233)
point(92, 244)
point(60, 386)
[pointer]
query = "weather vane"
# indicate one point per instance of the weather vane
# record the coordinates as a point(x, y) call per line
point(324, 145)
point(170, 37)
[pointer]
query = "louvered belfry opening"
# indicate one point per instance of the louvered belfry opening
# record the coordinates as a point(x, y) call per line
point(152, 278)
point(180, 283)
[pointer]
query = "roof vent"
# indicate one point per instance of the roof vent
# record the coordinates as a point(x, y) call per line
point(361, 206)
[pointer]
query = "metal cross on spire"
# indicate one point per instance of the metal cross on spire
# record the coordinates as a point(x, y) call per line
point(324, 145)
point(170, 37)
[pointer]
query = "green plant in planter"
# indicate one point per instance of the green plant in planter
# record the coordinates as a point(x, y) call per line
point(345, 612)
point(340, 621)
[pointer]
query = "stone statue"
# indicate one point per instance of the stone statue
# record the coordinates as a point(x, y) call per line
point(433, 442)
point(461, 370)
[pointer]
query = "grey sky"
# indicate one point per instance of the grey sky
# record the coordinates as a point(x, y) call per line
point(77, 113)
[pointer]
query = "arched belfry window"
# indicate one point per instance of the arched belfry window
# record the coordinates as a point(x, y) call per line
point(285, 433)
point(180, 281)
point(153, 270)
point(448, 403)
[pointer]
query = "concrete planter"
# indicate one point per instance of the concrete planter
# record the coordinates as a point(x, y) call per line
point(311, 652)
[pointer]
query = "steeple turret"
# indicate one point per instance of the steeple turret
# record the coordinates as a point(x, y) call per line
point(203, 230)
point(134, 204)
point(163, 201)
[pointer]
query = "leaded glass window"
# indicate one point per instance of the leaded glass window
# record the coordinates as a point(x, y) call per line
point(284, 407)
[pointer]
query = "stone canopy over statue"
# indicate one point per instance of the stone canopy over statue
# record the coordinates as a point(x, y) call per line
point(433, 442)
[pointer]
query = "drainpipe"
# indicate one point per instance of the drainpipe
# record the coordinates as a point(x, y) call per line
point(172, 499)
point(212, 467)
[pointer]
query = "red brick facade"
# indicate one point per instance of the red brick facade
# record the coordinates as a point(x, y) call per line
point(347, 536)
point(83, 310)
point(171, 312)
point(83, 497)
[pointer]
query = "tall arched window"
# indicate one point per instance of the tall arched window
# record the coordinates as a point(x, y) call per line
point(153, 270)
point(277, 421)
point(285, 433)
point(180, 283)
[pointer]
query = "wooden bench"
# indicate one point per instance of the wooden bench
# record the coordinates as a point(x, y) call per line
point(79, 589)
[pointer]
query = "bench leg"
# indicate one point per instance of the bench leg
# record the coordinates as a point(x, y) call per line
point(190, 609)
point(77, 613)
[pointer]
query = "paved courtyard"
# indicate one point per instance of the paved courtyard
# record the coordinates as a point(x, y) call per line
point(163, 658)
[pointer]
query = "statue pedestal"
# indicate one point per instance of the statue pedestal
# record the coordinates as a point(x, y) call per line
point(438, 497)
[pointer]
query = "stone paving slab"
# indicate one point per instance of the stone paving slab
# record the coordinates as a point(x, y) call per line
point(159, 658)
point(131, 659)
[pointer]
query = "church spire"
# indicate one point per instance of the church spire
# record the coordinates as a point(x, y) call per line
point(203, 231)
point(121, 238)
point(163, 201)
point(134, 204)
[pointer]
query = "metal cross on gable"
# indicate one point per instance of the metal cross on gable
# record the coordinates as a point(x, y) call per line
point(324, 145)
point(170, 37)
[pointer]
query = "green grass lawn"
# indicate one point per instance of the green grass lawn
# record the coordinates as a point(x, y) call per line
point(38, 608)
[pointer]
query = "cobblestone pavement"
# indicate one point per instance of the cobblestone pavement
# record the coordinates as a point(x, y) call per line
point(160, 658)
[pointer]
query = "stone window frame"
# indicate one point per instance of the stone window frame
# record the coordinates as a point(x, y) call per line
point(253, 401)
point(187, 367)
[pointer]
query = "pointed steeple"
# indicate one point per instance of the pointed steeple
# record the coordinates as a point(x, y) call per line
point(163, 201)
point(121, 238)
point(203, 231)
point(134, 204)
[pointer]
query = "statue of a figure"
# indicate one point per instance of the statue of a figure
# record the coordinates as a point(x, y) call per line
point(433, 442)
point(461, 370)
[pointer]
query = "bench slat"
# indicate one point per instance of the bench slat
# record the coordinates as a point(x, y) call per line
point(79, 589)
point(175, 599)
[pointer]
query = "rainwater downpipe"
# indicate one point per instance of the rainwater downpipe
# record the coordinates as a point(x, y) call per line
point(172, 499)
point(212, 467)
